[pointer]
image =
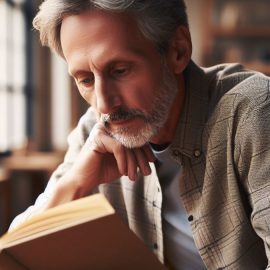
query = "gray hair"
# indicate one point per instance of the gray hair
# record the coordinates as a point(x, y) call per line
point(157, 19)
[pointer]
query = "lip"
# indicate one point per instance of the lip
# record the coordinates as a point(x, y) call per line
point(121, 122)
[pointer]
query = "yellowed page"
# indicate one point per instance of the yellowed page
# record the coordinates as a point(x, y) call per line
point(58, 218)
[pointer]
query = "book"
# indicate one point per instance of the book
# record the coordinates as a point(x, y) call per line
point(82, 234)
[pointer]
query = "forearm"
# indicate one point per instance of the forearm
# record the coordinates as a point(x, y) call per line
point(67, 189)
point(57, 192)
point(35, 209)
point(100, 159)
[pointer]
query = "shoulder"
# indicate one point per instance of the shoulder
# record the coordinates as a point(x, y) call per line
point(242, 103)
point(238, 88)
point(88, 120)
point(248, 94)
point(84, 126)
point(235, 78)
point(215, 83)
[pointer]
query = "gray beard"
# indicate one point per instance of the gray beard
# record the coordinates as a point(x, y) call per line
point(154, 120)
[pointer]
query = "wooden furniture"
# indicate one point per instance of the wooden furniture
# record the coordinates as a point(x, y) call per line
point(5, 200)
point(237, 31)
point(38, 166)
point(34, 161)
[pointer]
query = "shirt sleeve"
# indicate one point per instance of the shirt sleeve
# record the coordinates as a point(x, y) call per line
point(76, 140)
point(254, 162)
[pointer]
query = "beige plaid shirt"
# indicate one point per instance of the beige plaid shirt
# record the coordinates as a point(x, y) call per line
point(223, 145)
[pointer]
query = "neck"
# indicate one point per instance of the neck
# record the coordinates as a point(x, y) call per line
point(167, 132)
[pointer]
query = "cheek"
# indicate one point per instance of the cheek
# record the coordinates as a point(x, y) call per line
point(145, 91)
point(139, 96)
point(87, 96)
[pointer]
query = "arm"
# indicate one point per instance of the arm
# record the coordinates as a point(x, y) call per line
point(89, 161)
point(254, 163)
point(102, 159)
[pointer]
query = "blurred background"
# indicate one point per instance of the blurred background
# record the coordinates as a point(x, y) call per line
point(39, 103)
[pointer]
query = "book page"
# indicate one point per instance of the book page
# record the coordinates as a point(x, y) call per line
point(58, 218)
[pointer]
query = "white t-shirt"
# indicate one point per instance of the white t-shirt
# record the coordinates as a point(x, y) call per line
point(179, 246)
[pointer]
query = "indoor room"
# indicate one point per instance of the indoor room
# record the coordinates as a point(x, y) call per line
point(40, 104)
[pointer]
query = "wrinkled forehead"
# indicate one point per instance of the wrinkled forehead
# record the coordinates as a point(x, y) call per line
point(97, 23)
point(96, 33)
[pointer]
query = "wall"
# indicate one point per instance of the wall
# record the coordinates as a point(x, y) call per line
point(61, 105)
point(195, 14)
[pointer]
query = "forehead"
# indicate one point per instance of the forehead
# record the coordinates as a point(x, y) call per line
point(96, 33)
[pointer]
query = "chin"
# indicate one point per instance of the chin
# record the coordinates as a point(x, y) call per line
point(131, 141)
point(135, 140)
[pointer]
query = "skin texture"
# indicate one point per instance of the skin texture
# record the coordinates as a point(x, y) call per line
point(116, 67)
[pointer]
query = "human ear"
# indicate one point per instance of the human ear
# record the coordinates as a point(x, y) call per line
point(180, 49)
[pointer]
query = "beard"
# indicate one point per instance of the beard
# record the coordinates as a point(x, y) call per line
point(153, 120)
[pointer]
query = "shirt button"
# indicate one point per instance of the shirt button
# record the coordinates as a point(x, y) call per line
point(190, 218)
point(197, 153)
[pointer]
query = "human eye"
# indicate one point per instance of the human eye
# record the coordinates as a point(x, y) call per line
point(120, 71)
point(86, 81)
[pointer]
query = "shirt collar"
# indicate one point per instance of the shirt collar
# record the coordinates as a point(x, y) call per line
point(188, 137)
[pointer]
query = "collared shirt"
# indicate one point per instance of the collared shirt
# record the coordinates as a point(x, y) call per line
point(223, 145)
point(179, 247)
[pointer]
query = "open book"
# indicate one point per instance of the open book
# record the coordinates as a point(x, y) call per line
point(82, 234)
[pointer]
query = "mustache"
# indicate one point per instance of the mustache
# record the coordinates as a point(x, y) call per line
point(121, 115)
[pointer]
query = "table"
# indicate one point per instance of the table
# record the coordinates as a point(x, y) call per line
point(35, 166)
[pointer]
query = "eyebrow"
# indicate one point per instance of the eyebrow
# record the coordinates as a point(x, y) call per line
point(114, 59)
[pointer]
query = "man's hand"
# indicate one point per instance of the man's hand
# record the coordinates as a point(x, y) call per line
point(101, 160)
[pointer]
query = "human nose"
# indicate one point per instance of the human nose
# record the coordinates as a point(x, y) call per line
point(107, 96)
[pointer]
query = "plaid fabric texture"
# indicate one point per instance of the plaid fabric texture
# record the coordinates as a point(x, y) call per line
point(223, 144)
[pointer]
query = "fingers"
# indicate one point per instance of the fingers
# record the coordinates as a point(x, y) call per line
point(120, 157)
point(127, 160)
point(132, 165)
point(148, 152)
point(142, 161)
point(105, 144)
point(139, 158)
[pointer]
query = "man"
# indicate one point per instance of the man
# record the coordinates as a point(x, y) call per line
point(174, 147)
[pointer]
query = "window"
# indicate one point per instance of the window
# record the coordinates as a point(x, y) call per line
point(12, 76)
